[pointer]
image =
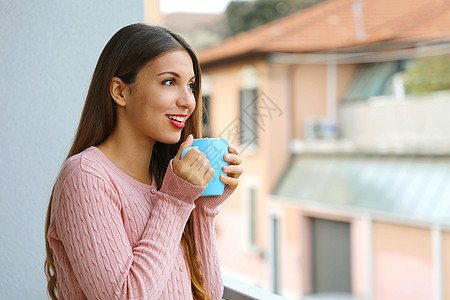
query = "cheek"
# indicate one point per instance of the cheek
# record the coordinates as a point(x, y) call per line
point(155, 103)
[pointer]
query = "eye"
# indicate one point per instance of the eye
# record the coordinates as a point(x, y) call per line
point(169, 82)
point(191, 86)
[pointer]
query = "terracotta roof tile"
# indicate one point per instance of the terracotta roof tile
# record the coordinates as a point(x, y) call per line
point(337, 24)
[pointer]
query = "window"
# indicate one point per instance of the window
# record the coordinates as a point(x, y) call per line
point(374, 79)
point(248, 118)
point(206, 126)
point(206, 116)
point(252, 210)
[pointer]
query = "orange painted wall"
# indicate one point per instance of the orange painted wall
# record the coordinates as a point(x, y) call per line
point(402, 262)
point(309, 95)
point(291, 256)
point(310, 92)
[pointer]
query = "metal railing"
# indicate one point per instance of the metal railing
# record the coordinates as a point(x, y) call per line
point(237, 290)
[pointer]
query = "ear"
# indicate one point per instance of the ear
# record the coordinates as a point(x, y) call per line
point(117, 91)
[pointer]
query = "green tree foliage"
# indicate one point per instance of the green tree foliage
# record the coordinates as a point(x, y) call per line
point(428, 74)
point(245, 15)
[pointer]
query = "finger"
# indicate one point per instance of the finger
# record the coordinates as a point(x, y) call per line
point(233, 171)
point(187, 143)
point(232, 182)
point(232, 149)
point(209, 174)
point(204, 174)
point(197, 164)
point(233, 159)
point(193, 158)
point(204, 166)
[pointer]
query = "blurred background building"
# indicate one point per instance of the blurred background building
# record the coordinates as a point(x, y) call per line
point(340, 110)
point(341, 113)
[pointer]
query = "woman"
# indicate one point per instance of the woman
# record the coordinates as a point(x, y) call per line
point(125, 219)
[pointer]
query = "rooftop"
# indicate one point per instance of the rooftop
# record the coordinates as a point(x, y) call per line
point(338, 25)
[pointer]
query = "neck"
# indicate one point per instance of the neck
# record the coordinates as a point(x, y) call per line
point(130, 155)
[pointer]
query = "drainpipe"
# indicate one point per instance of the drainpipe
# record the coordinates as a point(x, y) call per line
point(331, 97)
point(332, 89)
point(436, 236)
point(291, 102)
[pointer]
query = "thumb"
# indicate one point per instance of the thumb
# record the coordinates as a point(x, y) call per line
point(187, 143)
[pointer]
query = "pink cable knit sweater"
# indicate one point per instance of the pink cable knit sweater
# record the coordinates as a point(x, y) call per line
point(114, 237)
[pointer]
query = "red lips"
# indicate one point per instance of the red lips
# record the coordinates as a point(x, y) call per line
point(177, 124)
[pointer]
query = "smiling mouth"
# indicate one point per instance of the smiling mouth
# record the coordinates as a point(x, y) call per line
point(177, 120)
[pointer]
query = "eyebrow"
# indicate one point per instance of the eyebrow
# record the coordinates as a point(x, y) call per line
point(174, 74)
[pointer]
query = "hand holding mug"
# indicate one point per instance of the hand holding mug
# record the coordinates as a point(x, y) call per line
point(233, 169)
point(221, 156)
point(193, 167)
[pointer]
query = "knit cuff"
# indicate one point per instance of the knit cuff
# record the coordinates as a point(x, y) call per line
point(213, 202)
point(177, 187)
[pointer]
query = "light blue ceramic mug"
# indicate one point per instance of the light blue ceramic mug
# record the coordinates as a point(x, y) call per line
point(214, 149)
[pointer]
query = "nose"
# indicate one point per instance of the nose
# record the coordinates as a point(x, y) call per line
point(186, 99)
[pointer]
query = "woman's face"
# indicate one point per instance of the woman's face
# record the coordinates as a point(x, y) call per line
point(161, 99)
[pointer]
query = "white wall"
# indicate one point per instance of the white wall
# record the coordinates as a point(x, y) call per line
point(415, 125)
point(48, 51)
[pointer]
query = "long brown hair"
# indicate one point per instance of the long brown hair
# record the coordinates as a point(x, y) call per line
point(123, 56)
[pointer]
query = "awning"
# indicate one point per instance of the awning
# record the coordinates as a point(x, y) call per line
point(413, 186)
point(372, 80)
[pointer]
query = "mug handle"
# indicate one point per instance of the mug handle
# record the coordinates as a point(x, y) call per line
point(185, 150)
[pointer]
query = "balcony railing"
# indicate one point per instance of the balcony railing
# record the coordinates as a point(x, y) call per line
point(237, 290)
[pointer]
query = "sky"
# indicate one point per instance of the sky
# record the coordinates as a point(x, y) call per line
point(193, 6)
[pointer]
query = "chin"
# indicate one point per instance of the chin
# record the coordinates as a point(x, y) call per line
point(171, 138)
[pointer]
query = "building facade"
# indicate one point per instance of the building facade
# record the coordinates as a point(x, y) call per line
point(345, 190)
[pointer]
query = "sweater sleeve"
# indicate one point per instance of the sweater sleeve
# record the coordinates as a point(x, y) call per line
point(203, 218)
point(179, 188)
point(106, 266)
